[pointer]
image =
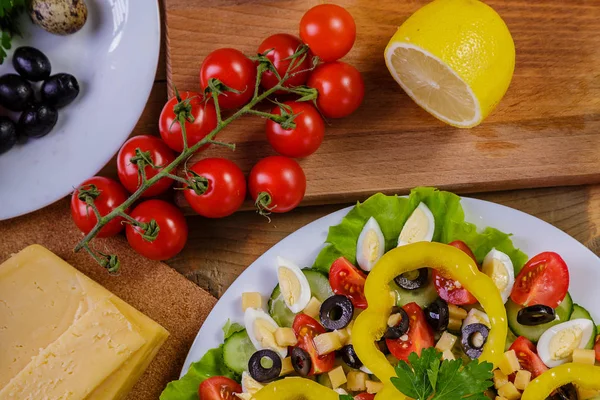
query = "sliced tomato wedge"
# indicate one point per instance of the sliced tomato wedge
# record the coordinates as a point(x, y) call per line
point(419, 336)
point(528, 358)
point(364, 396)
point(306, 328)
point(450, 290)
point(543, 280)
point(597, 348)
point(346, 279)
point(219, 388)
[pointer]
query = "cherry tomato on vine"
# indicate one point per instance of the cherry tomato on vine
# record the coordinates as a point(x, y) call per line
point(203, 113)
point(172, 232)
point(233, 69)
point(329, 30)
point(277, 184)
point(305, 138)
point(109, 195)
point(219, 388)
point(280, 47)
point(156, 151)
point(340, 86)
point(225, 188)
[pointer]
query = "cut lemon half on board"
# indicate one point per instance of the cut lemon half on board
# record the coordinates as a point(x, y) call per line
point(454, 58)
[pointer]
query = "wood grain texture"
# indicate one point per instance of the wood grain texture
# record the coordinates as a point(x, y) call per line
point(543, 133)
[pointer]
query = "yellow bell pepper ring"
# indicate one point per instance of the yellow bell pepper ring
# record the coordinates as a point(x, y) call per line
point(291, 388)
point(451, 262)
point(585, 376)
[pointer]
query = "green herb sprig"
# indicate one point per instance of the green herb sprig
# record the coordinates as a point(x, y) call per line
point(9, 14)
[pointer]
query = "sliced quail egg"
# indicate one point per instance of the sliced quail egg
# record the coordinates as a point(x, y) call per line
point(498, 266)
point(476, 316)
point(293, 284)
point(419, 227)
point(370, 246)
point(261, 331)
point(556, 345)
point(249, 384)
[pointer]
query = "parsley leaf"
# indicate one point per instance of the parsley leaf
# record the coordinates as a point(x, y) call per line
point(346, 397)
point(429, 378)
point(9, 15)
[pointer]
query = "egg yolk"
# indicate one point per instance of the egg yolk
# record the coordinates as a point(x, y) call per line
point(564, 342)
point(290, 285)
point(415, 228)
point(371, 246)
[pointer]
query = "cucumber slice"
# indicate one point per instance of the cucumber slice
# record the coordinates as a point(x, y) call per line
point(319, 287)
point(580, 312)
point(237, 351)
point(533, 333)
point(423, 296)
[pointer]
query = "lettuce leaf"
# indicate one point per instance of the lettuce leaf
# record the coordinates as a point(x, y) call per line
point(391, 212)
point(230, 328)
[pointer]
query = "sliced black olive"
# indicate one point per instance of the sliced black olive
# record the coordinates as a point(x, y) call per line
point(473, 338)
point(382, 345)
point(31, 64)
point(8, 134)
point(301, 361)
point(15, 92)
point(37, 120)
point(565, 392)
point(536, 315)
point(408, 282)
point(349, 357)
point(437, 315)
point(60, 90)
point(264, 365)
point(336, 312)
point(394, 332)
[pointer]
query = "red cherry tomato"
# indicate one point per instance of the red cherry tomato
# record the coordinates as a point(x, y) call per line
point(528, 358)
point(306, 328)
point(225, 191)
point(305, 138)
point(172, 234)
point(219, 388)
point(280, 47)
point(364, 396)
point(420, 335)
point(112, 195)
point(543, 280)
point(341, 89)
point(597, 348)
point(346, 279)
point(160, 154)
point(233, 69)
point(205, 120)
point(329, 30)
point(447, 288)
point(277, 184)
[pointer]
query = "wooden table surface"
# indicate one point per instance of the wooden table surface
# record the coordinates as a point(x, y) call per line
point(219, 250)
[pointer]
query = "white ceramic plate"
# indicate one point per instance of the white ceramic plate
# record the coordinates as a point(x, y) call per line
point(114, 58)
point(531, 235)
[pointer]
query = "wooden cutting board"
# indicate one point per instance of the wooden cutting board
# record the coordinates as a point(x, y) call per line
point(545, 132)
point(150, 286)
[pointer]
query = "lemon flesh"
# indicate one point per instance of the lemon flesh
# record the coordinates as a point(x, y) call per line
point(454, 58)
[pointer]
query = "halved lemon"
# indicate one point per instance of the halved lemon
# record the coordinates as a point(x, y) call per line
point(454, 58)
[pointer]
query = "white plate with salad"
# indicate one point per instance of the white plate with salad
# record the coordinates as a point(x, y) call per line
point(293, 311)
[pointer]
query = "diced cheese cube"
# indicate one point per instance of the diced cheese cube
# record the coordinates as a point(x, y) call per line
point(509, 392)
point(509, 363)
point(251, 300)
point(446, 342)
point(286, 366)
point(337, 377)
point(584, 356)
point(448, 355)
point(374, 387)
point(313, 308)
point(500, 378)
point(285, 337)
point(343, 335)
point(456, 312)
point(587, 394)
point(394, 320)
point(326, 343)
point(454, 324)
point(522, 379)
point(357, 381)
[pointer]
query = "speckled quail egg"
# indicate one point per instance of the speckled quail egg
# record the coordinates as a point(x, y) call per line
point(61, 17)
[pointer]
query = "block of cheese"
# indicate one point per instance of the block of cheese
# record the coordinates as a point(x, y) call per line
point(42, 298)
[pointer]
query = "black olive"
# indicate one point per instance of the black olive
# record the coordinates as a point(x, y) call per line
point(412, 284)
point(382, 345)
point(471, 349)
point(565, 392)
point(301, 361)
point(395, 332)
point(37, 120)
point(60, 90)
point(336, 312)
point(15, 92)
point(437, 315)
point(259, 371)
point(536, 315)
point(8, 134)
point(31, 64)
point(349, 357)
